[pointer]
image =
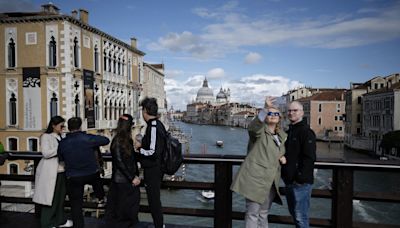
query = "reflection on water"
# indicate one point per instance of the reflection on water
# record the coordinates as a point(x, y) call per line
point(203, 138)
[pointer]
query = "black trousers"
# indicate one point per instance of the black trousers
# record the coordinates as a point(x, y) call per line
point(152, 180)
point(75, 188)
point(123, 202)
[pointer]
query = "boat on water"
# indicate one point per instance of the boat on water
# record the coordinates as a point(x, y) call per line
point(208, 194)
point(219, 143)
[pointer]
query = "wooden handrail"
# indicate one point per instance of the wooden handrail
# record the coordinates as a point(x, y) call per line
point(342, 193)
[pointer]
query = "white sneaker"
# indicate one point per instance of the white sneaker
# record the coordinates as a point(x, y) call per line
point(68, 223)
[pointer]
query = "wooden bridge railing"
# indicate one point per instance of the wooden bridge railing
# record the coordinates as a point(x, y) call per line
point(341, 195)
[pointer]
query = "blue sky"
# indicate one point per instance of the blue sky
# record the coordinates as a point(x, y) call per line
point(254, 47)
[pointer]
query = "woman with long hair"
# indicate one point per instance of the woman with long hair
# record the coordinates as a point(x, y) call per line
point(124, 196)
point(259, 175)
point(50, 187)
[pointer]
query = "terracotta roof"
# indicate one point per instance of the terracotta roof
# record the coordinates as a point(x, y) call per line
point(336, 95)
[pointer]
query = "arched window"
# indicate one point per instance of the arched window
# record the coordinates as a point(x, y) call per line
point(12, 144)
point(123, 67)
point(11, 53)
point(105, 110)
point(129, 70)
point(115, 110)
point(105, 60)
point(109, 62)
point(52, 52)
point(119, 66)
point(76, 52)
point(110, 109)
point(77, 106)
point(96, 109)
point(13, 169)
point(115, 65)
point(32, 144)
point(96, 59)
point(13, 109)
point(54, 105)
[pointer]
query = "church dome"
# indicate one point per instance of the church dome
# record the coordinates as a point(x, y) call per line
point(205, 94)
point(221, 95)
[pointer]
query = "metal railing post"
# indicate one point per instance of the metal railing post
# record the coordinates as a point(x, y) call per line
point(37, 206)
point(342, 197)
point(223, 195)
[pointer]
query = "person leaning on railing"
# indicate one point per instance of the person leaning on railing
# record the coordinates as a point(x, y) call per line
point(50, 189)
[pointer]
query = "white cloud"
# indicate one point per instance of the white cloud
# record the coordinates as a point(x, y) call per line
point(173, 73)
point(216, 73)
point(252, 58)
point(251, 89)
point(226, 33)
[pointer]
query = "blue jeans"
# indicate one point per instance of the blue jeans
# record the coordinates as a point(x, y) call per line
point(298, 199)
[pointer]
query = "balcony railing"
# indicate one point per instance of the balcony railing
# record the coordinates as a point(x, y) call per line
point(341, 195)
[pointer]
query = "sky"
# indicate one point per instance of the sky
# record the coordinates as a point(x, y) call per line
point(256, 48)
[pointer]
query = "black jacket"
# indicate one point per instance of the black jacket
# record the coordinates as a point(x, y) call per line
point(149, 155)
point(300, 154)
point(124, 168)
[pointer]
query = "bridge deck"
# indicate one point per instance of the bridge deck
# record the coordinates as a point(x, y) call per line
point(28, 220)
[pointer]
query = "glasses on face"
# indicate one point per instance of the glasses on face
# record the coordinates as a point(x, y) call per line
point(292, 110)
point(273, 114)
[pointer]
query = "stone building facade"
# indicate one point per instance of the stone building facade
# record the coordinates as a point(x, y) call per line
point(57, 64)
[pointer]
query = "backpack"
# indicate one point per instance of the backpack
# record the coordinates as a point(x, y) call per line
point(171, 157)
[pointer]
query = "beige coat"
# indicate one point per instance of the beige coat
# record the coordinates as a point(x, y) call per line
point(261, 167)
point(46, 172)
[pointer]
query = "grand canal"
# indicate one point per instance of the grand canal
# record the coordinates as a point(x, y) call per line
point(203, 139)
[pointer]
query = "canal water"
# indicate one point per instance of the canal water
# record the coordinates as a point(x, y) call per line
point(203, 140)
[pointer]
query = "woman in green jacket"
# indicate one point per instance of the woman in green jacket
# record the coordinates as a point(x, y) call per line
point(259, 175)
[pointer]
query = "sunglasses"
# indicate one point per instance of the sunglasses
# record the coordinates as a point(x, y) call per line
point(273, 114)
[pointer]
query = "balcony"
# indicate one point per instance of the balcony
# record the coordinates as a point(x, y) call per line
point(341, 195)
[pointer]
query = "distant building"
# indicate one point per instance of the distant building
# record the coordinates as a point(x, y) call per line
point(358, 133)
point(153, 86)
point(205, 94)
point(223, 97)
point(381, 114)
point(218, 110)
point(55, 64)
point(324, 113)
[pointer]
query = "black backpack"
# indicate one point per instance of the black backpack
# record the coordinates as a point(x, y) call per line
point(171, 157)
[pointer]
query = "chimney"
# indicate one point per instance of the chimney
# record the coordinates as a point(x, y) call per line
point(50, 8)
point(74, 14)
point(133, 42)
point(84, 16)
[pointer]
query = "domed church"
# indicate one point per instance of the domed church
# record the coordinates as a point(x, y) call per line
point(205, 94)
point(223, 97)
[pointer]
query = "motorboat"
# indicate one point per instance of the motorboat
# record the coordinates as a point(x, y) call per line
point(219, 143)
point(208, 194)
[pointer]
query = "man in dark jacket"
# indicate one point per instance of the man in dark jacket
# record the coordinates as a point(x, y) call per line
point(150, 150)
point(298, 173)
point(77, 151)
